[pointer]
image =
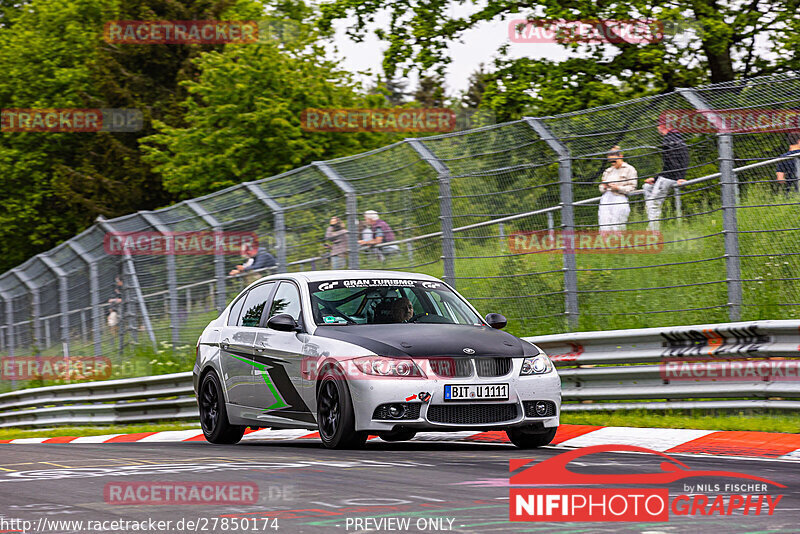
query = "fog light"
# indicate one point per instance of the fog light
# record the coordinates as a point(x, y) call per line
point(541, 408)
point(396, 411)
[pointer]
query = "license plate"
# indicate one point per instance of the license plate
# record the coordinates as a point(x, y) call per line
point(457, 392)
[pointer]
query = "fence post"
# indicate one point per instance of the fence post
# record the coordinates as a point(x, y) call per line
point(35, 312)
point(729, 191)
point(128, 260)
point(445, 208)
point(567, 217)
point(279, 222)
point(351, 210)
point(9, 309)
point(219, 259)
point(172, 277)
point(63, 299)
point(94, 295)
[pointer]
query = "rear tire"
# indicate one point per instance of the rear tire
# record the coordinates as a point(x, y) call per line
point(335, 415)
point(523, 440)
point(213, 415)
point(403, 434)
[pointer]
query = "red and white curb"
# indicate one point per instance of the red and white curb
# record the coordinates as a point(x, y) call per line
point(730, 443)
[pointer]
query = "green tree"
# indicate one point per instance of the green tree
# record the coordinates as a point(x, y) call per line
point(718, 42)
point(243, 118)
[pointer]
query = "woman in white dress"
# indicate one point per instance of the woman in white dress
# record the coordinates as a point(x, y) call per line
point(619, 180)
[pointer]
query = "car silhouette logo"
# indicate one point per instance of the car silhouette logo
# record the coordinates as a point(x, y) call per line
point(468, 350)
point(556, 469)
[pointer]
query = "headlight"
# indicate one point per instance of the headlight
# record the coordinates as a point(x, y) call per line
point(536, 365)
point(385, 366)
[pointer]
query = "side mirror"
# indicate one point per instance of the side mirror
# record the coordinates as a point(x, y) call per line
point(496, 320)
point(283, 322)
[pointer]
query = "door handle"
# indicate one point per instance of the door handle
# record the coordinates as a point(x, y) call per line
point(261, 347)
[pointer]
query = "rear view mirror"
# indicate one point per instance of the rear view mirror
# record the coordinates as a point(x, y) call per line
point(283, 322)
point(496, 320)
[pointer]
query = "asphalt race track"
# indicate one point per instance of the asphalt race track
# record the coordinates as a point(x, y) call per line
point(436, 486)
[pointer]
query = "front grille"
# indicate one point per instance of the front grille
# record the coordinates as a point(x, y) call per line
point(451, 367)
point(472, 414)
point(412, 411)
point(493, 366)
point(530, 409)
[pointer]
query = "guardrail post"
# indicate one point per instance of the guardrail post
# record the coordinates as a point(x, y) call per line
point(94, 295)
point(219, 259)
point(128, 262)
point(35, 312)
point(63, 300)
point(172, 277)
point(567, 217)
point(445, 208)
point(729, 191)
point(351, 210)
point(279, 222)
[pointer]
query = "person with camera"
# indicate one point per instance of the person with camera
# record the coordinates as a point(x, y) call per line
point(618, 181)
point(336, 235)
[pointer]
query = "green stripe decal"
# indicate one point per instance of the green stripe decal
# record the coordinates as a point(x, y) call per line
point(279, 402)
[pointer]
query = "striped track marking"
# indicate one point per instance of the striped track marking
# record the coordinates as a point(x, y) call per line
point(670, 440)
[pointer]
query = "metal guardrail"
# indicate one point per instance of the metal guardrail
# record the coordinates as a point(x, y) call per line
point(626, 366)
point(130, 400)
point(622, 366)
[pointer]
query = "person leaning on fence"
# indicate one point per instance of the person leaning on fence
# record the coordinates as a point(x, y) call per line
point(382, 233)
point(789, 170)
point(336, 235)
point(618, 181)
point(674, 164)
point(257, 258)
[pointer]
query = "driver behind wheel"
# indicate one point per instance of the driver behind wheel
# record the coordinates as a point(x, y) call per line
point(402, 310)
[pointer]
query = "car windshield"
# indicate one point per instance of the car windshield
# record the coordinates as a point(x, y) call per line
point(380, 301)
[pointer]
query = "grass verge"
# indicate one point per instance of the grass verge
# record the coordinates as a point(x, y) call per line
point(16, 433)
point(767, 422)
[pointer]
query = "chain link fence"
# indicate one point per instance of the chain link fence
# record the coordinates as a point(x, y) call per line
point(466, 207)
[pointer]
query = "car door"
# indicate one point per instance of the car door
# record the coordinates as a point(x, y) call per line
point(236, 345)
point(279, 384)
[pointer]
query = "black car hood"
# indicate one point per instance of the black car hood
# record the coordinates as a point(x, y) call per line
point(430, 340)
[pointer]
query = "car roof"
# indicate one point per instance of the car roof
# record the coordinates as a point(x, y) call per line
point(318, 276)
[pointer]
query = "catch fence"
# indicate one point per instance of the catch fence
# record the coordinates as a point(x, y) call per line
point(464, 206)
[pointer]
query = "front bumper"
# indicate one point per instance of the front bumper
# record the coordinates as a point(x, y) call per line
point(368, 395)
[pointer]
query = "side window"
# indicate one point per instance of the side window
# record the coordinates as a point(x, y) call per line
point(286, 300)
point(236, 309)
point(254, 304)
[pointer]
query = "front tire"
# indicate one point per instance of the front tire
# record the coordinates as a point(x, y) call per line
point(335, 415)
point(524, 440)
point(213, 415)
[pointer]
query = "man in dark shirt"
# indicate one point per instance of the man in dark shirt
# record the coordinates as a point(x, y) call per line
point(674, 164)
point(258, 258)
point(787, 171)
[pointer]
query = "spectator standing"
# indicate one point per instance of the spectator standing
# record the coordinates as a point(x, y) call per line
point(674, 164)
point(336, 234)
point(787, 171)
point(381, 232)
point(618, 181)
